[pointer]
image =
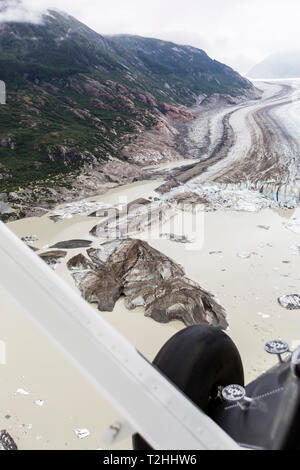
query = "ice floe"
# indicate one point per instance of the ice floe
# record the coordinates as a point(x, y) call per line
point(82, 433)
point(290, 302)
point(83, 208)
point(219, 197)
point(39, 402)
point(263, 315)
point(293, 225)
point(295, 249)
point(21, 391)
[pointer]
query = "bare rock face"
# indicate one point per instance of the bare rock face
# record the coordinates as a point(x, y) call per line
point(177, 113)
point(53, 258)
point(147, 278)
point(152, 147)
point(7, 442)
point(80, 263)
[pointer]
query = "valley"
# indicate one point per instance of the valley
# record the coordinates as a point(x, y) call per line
point(161, 186)
point(253, 145)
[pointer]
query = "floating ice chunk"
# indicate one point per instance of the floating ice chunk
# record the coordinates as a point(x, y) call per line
point(295, 249)
point(263, 315)
point(244, 255)
point(293, 225)
point(25, 428)
point(82, 208)
point(82, 433)
point(39, 402)
point(21, 391)
point(290, 302)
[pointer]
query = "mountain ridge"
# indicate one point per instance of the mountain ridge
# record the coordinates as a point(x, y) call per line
point(76, 98)
point(280, 65)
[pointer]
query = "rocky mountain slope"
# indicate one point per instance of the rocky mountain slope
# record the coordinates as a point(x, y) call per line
point(77, 101)
point(283, 65)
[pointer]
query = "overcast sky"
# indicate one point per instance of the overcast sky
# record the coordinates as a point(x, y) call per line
point(238, 32)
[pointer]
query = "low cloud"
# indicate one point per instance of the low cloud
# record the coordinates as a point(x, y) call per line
point(21, 11)
point(237, 32)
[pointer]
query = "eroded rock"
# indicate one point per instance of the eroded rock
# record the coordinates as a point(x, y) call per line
point(147, 278)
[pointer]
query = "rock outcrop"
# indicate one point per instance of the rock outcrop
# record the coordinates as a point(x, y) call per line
point(154, 146)
point(147, 278)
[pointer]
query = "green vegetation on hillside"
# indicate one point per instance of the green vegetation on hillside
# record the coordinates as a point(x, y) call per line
point(74, 96)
